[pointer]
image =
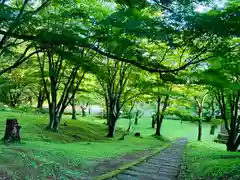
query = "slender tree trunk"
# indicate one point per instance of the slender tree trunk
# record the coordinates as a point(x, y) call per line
point(153, 121)
point(199, 129)
point(213, 109)
point(158, 128)
point(158, 116)
point(107, 110)
point(89, 109)
point(74, 116)
point(41, 100)
point(136, 118)
point(51, 116)
point(83, 111)
point(200, 112)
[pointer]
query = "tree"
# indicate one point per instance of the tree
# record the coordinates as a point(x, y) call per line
point(114, 87)
point(117, 87)
point(59, 73)
point(14, 88)
point(200, 104)
point(160, 112)
point(15, 17)
point(223, 77)
point(111, 30)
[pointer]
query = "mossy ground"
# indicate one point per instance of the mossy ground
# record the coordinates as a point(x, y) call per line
point(211, 161)
point(47, 155)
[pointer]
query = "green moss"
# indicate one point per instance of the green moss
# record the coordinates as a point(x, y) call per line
point(45, 154)
point(210, 160)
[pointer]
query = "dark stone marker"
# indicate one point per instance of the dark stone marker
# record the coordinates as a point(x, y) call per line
point(137, 134)
point(12, 131)
point(212, 130)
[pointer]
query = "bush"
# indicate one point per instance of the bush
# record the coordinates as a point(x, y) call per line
point(29, 109)
point(182, 115)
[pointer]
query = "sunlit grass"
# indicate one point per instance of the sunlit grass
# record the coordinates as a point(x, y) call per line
point(171, 129)
point(79, 145)
point(211, 161)
point(65, 153)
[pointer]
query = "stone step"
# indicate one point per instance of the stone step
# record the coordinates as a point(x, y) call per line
point(142, 174)
point(158, 167)
point(163, 164)
point(168, 160)
point(144, 169)
point(123, 176)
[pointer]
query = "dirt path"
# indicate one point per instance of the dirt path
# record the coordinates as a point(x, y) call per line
point(164, 166)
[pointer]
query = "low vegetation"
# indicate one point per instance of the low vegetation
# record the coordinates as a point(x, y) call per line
point(204, 160)
point(77, 146)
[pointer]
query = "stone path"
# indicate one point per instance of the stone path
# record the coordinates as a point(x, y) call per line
point(164, 166)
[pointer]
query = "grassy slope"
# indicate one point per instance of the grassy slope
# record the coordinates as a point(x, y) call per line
point(47, 154)
point(211, 161)
point(171, 129)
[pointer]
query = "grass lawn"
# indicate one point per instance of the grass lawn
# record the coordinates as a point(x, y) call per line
point(43, 154)
point(66, 153)
point(171, 129)
point(211, 161)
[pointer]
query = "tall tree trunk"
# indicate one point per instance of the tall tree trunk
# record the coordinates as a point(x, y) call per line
point(113, 116)
point(200, 115)
point(233, 142)
point(111, 126)
point(40, 100)
point(74, 116)
point(51, 116)
point(136, 118)
point(158, 117)
point(234, 138)
point(83, 111)
point(200, 129)
point(107, 110)
point(153, 121)
point(160, 114)
point(89, 109)
point(213, 109)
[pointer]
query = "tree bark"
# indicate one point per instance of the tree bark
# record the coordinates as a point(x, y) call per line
point(153, 121)
point(83, 112)
point(200, 112)
point(83, 108)
point(12, 131)
point(89, 109)
point(111, 127)
point(41, 100)
point(233, 143)
point(107, 109)
point(136, 118)
point(199, 130)
point(160, 114)
point(158, 117)
point(74, 116)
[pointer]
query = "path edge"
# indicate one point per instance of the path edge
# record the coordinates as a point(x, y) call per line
point(128, 165)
